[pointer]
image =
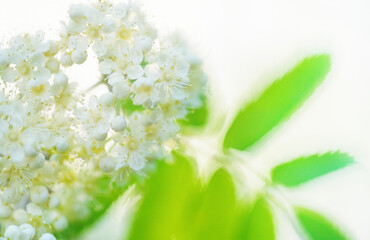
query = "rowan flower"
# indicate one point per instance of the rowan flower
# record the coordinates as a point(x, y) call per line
point(54, 139)
point(145, 91)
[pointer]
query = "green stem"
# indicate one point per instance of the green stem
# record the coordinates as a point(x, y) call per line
point(95, 85)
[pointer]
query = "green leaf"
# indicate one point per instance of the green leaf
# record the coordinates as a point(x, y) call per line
point(164, 197)
point(215, 218)
point(304, 169)
point(176, 206)
point(257, 224)
point(276, 103)
point(317, 227)
point(128, 107)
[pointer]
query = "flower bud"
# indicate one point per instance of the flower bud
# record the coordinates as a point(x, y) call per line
point(62, 145)
point(20, 216)
point(100, 135)
point(18, 158)
point(33, 209)
point(27, 231)
point(79, 57)
point(107, 164)
point(53, 65)
point(47, 236)
point(107, 99)
point(12, 232)
point(76, 12)
point(61, 79)
point(101, 131)
point(66, 60)
point(52, 48)
point(143, 43)
point(11, 196)
point(30, 151)
point(39, 194)
point(121, 90)
point(118, 123)
point(61, 223)
point(5, 211)
point(120, 10)
point(4, 59)
point(37, 162)
point(4, 163)
point(109, 25)
point(54, 201)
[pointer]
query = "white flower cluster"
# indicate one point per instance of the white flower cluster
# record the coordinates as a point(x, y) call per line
point(53, 140)
point(24, 232)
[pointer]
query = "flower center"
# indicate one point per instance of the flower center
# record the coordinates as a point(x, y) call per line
point(24, 69)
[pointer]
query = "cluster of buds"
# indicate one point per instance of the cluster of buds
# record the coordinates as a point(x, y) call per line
point(55, 138)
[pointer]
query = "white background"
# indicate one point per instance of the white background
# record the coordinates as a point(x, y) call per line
point(245, 44)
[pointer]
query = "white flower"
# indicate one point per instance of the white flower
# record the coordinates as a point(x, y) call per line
point(77, 12)
point(33, 209)
point(121, 89)
point(20, 216)
point(126, 64)
point(79, 56)
point(27, 54)
point(27, 231)
point(4, 59)
point(66, 60)
point(134, 71)
point(107, 99)
point(120, 10)
point(52, 64)
point(173, 77)
point(145, 90)
point(77, 45)
point(12, 232)
point(54, 201)
point(143, 43)
point(118, 157)
point(5, 211)
point(54, 140)
point(107, 164)
point(60, 223)
point(60, 83)
point(109, 25)
point(39, 194)
point(38, 89)
point(136, 160)
point(97, 119)
point(47, 236)
point(118, 123)
point(62, 145)
point(37, 162)
point(10, 195)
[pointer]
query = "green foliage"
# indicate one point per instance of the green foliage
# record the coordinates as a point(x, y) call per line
point(317, 227)
point(176, 206)
point(304, 169)
point(128, 107)
point(164, 197)
point(259, 223)
point(276, 103)
point(215, 218)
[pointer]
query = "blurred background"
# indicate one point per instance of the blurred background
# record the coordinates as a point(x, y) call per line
point(245, 45)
